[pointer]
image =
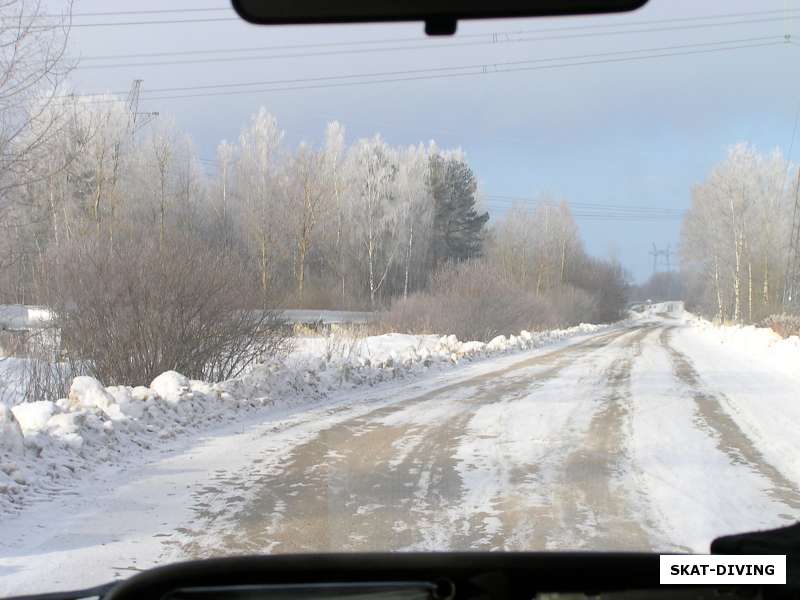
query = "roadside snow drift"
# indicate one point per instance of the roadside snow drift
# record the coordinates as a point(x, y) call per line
point(752, 368)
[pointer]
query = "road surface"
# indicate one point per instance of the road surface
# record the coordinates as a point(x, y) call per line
point(615, 441)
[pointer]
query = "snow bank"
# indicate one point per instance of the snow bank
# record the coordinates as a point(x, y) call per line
point(44, 446)
point(760, 344)
point(756, 375)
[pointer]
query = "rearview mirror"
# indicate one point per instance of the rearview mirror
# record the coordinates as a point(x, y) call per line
point(440, 16)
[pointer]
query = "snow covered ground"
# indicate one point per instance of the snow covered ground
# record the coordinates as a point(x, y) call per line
point(47, 446)
point(659, 433)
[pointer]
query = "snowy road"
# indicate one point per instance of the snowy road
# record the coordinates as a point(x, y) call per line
point(645, 437)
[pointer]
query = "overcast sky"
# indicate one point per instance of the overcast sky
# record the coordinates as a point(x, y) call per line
point(612, 133)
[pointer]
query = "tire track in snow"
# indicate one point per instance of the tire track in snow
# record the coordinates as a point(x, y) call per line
point(728, 436)
point(388, 479)
point(592, 506)
point(444, 512)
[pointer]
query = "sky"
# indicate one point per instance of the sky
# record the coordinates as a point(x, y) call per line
point(604, 111)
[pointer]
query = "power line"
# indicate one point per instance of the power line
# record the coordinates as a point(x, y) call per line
point(783, 12)
point(600, 211)
point(139, 23)
point(613, 217)
point(597, 211)
point(494, 34)
point(579, 210)
point(578, 215)
point(119, 13)
point(600, 216)
point(585, 211)
point(446, 72)
point(444, 69)
point(494, 39)
point(527, 199)
point(582, 209)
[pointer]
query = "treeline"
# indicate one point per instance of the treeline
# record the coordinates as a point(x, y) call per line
point(534, 274)
point(154, 258)
point(341, 225)
point(735, 237)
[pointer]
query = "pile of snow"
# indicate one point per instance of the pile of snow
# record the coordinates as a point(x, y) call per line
point(46, 445)
point(759, 344)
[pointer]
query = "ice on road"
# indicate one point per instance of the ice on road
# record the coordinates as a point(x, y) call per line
point(635, 438)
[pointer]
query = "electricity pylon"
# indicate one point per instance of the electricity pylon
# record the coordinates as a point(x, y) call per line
point(136, 119)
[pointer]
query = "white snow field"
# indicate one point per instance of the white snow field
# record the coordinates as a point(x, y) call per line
point(660, 433)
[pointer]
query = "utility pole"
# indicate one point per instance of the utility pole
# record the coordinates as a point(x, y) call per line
point(791, 287)
point(655, 253)
point(136, 119)
point(665, 254)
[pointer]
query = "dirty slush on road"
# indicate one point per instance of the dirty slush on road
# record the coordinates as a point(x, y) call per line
point(401, 476)
point(532, 456)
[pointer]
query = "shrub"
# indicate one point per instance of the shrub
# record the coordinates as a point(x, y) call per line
point(472, 301)
point(132, 310)
point(784, 325)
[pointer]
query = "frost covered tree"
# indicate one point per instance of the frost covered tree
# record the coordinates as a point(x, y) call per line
point(334, 182)
point(538, 247)
point(735, 235)
point(161, 148)
point(306, 204)
point(33, 66)
point(219, 201)
point(414, 192)
point(374, 210)
point(257, 188)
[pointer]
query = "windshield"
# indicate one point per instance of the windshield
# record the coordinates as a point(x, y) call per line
point(533, 286)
